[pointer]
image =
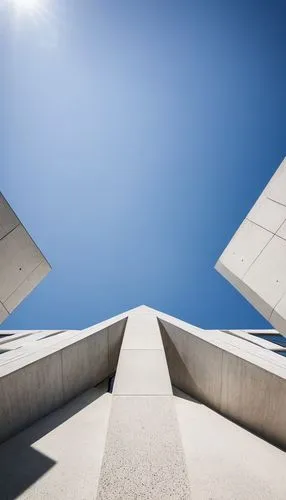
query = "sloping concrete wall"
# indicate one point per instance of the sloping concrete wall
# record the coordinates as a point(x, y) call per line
point(231, 375)
point(38, 381)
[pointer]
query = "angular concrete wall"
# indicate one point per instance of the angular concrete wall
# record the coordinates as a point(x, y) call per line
point(35, 381)
point(22, 265)
point(254, 261)
point(233, 376)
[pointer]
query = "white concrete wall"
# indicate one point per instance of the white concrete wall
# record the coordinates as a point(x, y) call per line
point(35, 381)
point(22, 265)
point(233, 376)
point(254, 261)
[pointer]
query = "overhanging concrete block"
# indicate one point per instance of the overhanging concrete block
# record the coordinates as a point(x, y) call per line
point(22, 264)
point(254, 261)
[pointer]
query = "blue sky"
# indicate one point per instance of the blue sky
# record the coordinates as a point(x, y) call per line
point(134, 138)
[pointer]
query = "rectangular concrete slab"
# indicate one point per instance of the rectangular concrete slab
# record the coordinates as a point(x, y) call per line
point(142, 331)
point(247, 243)
point(254, 265)
point(142, 372)
point(265, 276)
point(26, 286)
point(143, 455)
point(268, 214)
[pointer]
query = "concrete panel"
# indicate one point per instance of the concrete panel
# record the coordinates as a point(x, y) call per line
point(277, 186)
point(22, 265)
point(225, 461)
point(247, 243)
point(254, 397)
point(3, 313)
point(282, 231)
point(142, 372)
point(115, 336)
point(142, 331)
point(18, 257)
point(8, 219)
point(194, 364)
point(250, 295)
point(268, 214)
point(263, 281)
point(85, 364)
point(233, 376)
point(30, 394)
point(26, 287)
point(265, 276)
point(143, 454)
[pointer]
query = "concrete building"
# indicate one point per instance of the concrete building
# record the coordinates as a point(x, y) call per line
point(254, 261)
point(143, 406)
point(22, 265)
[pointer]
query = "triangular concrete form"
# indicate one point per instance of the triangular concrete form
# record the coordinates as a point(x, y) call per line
point(142, 454)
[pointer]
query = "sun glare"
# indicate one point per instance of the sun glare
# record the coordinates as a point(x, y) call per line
point(30, 6)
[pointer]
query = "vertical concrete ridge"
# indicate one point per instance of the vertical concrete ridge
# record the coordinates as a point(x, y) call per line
point(143, 456)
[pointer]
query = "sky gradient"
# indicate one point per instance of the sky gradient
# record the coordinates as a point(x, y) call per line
point(134, 138)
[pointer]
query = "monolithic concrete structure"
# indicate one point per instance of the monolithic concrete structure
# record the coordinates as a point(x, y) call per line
point(22, 265)
point(143, 406)
point(254, 261)
point(146, 406)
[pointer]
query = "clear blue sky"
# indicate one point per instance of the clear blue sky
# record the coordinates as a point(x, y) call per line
point(134, 138)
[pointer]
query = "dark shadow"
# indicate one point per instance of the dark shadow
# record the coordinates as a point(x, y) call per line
point(181, 394)
point(184, 384)
point(20, 464)
point(179, 373)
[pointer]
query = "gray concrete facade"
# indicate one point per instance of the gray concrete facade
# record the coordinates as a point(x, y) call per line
point(35, 381)
point(231, 375)
point(254, 261)
point(22, 264)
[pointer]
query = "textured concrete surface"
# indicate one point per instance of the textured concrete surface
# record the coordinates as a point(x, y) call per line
point(143, 457)
point(266, 344)
point(22, 265)
point(40, 377)
point(233, 376)
point(142, 371)
point(59, 456)
point(225, 461)
point(254, 260)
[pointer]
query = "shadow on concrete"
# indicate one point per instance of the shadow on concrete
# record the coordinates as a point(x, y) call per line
point(180, 394)
point(179, 374)
point(20, 464)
